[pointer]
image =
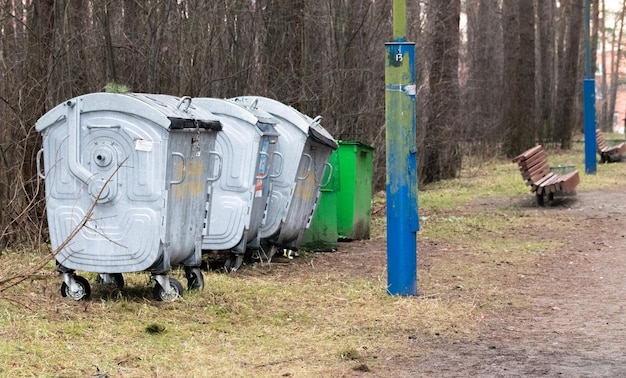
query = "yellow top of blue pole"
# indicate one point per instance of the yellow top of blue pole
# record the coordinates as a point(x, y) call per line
point(399, 20)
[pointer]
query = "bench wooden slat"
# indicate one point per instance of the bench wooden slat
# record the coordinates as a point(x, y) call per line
point(537, 161)
point(545, 180)
point(551, 184)
point(536, 173)
point(609, 153)
point(531, 156)
point(550, 179)
point(570, 180)
point(533, 162)
point(534, 168)
point(524, 155)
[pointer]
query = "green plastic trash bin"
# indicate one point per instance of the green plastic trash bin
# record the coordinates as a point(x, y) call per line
point(344, 210)
point(354, 194)
point(322, 232)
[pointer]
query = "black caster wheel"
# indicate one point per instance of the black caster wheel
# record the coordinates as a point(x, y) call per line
point(176, 291)
point(113, 279)
point(80, 290)
point(195, 279)
point(233, 262)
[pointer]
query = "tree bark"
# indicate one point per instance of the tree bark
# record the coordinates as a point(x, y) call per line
point(484, 74)
point(546, 67)
point(616, 58)
point(441, 155)
point(569, 77)
point(519, 70)
point(603, 95)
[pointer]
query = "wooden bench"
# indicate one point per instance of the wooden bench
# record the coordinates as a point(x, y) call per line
point(609, 153)
point(533, 164)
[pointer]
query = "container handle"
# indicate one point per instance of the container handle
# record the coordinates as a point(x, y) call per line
point(184, 99)
point(184, 174)
point(74, 148)
point(279, 170)
point(317, 120)
point(219, 171)
point(308, 170)
point(90, 126)
point(40, 172)
point(330, 175)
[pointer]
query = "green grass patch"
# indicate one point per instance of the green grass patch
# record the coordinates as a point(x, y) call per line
point(317, 315)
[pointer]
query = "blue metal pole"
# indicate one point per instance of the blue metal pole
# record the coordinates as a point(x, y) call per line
point(402, 219)
point(589, 111)
point(589, 99)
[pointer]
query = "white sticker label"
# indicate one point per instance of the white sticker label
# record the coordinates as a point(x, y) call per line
point(143, 145)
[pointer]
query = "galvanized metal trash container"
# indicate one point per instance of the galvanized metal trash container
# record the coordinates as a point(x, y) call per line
point(305, 147)
point(126, 179)
point(239, 198)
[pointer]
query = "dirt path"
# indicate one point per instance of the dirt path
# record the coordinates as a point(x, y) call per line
point(575, 325)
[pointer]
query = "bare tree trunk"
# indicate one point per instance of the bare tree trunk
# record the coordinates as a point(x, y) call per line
point(109, 57)
point(569, 76)
point(11, 37)
point(546, 70)
point(595, 32)
point(283, 54)
point(484, 79)
point(510, 28)
point(519, 73)
point(157, 21)
point(527, 118)
point(616, 58)
point(441, 146)
point(26, 196)
point(603, 97)
point(129, 45)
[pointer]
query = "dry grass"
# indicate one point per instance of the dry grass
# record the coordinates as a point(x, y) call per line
point(264, 322)
point(319, 315)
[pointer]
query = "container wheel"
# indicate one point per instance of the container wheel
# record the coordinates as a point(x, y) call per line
point(118, 280)
point(114, 279)
point(233, 262)
point(176, 290)
point(81, 291)
point(195, 279)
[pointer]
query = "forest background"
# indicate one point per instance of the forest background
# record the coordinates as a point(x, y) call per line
point(494, 77)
